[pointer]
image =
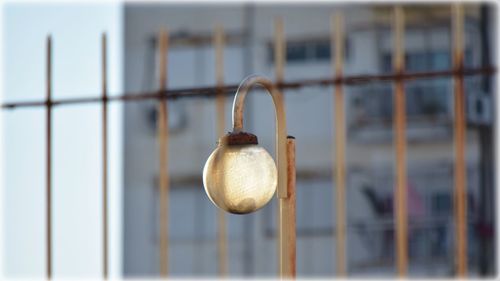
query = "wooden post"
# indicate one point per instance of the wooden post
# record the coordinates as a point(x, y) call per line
point(48, 150)
point(460, 133)
point(163, 148)
point(288, 214)
point(337, 46)
point(400, 197)
point(220, 101)
point(104, 157)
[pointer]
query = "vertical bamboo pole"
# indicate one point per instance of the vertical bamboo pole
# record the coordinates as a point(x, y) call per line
point(163, 148)
point(337, 46)
point(49, 157)
point(104, 156)
point(279, 68)
point(279, 50)
point(460, 130)
point(400, 145)
point(280, 54)
point(220, 113)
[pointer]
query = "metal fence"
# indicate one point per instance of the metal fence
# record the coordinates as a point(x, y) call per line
point(398, 77)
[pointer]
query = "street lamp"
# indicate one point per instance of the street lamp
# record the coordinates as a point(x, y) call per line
point(240, 177)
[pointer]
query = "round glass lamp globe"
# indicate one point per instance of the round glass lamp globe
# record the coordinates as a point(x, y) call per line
point(240, 179)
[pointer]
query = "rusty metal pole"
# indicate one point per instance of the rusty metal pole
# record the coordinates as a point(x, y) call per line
point(49, 158)
point(104, 156)
point(288, 215)
point(220, 101)
point(460, 133)
point(163, 154)
point(337, 48)
point(401, 192)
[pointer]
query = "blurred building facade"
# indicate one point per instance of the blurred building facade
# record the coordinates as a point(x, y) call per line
point(369, 155)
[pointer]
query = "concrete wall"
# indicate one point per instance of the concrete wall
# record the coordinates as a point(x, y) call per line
point(192, 217)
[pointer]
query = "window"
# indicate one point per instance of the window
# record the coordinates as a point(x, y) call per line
point(426, 60)
point(441, 204)
point(306, 51)
point(425, 99)
point(298, 52)
point(374, 102)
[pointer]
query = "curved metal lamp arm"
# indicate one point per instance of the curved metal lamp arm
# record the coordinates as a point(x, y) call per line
point(238, 107)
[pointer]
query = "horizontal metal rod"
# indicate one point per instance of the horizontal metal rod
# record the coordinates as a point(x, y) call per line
point(371, 226)
point(230, 89)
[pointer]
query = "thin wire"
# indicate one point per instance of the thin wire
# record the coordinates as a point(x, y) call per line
point(211, 92)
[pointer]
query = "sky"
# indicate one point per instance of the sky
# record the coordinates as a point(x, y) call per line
point(76, 31)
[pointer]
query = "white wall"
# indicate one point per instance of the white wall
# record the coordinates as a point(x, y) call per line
point(77, 222)
point(192, 217)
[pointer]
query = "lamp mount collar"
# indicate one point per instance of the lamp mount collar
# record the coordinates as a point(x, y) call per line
point(238, 138)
